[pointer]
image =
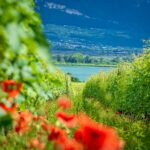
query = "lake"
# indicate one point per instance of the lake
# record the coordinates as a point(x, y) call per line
point(83, 72)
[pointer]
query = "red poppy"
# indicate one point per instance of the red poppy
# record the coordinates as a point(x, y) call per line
point(70, 144)
point(97, 136)
point(8, 109)
point(57, 135)
point(38, 118)
point(46, 127)
point(68, 119)
point(64, 102)
point(36, 144)
point(21, 127)
point(11, 87)
point(25, 117)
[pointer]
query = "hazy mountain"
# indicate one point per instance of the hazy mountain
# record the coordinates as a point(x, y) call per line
point(94, 26)
point(95, 41)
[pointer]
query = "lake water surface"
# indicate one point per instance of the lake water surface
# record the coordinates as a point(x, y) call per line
point(83, 72)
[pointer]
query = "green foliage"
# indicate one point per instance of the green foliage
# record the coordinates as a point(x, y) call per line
point(138, 87)
point(127, 87)
point(24, 51)
point(96, 87)
point(5, 120)
point(116, 85)
point(135, 133)
point(87, 59)
point(73, 79)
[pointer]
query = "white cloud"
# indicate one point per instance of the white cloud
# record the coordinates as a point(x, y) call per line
point(55, 6)
point(64, 8)
point(88, 17)
point(113, 21)
point(73, 12)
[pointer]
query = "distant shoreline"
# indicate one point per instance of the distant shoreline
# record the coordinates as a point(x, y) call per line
point(81, 64)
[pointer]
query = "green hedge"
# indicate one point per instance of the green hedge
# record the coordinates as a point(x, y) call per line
point(95, 88)
point(127, 87)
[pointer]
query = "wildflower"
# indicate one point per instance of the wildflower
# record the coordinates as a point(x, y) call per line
point(11, 87)
point(38, 118)
point(67, 119)
point(57, 135)
point(97, 136)
point(70, 144)
point(64, 102)
point(9, 109)
point(36, 144)
point(46, 127)
point(25, 117)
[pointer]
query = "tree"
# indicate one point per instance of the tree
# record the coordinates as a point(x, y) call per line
point(87, 59)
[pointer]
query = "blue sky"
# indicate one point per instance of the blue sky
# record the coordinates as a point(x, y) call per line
point(116, 14)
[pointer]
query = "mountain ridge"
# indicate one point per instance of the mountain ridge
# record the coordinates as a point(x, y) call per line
point(93, 41)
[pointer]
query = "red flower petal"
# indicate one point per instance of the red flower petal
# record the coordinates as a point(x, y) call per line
point(11, 87)
point(25, 117)
point(67, 119)
point(57, 134)
point(10, 109)
point(64, 102)
point(70, 144)
point(46, 127)
point(36, 144)
point(97, 136)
